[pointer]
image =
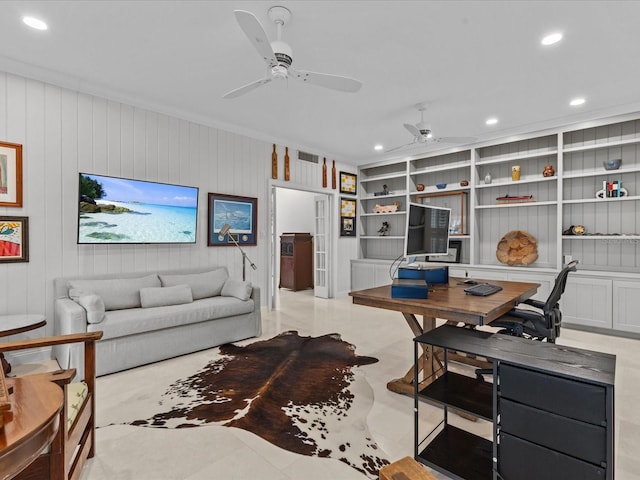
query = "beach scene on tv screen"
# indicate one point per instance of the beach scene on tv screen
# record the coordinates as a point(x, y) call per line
point(120, 210)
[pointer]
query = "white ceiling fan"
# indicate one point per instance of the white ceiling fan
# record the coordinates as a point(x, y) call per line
point(278, 56)
point(422, 133)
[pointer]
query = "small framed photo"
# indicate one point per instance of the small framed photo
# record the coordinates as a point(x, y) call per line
point(453, 255)
point(238, 216)
point(348, 183)
point(10, 175)
point(14, 239)
point(347, 217)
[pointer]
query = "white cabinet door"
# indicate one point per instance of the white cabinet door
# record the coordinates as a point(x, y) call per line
point(626, 306)
point(587, 302)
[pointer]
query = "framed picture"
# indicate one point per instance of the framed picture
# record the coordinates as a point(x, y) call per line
point(347, 217)
point(455, 249)
point(239, 213)
point(10, 175)
point(14, 239)
point(348, 183)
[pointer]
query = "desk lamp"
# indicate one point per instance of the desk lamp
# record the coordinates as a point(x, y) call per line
point(224, 231)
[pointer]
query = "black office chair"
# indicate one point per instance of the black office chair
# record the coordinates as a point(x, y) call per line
point(541, 325)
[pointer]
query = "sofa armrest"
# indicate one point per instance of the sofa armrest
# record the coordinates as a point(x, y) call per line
point(255, 296)
point(69, 318)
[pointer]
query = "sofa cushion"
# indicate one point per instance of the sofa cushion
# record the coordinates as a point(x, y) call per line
point(163, 296)
point(203, 285)
point(237, 288)
point(119, 323)
point(92, 303)
point(117, 293)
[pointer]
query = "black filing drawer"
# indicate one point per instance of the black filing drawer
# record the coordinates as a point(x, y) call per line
point(522, 460)
point(575, 438)
point(563, 396)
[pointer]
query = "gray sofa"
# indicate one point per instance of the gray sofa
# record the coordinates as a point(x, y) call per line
point(147, 317)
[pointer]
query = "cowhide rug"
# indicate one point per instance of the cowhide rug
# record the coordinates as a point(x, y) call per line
point(299, 393)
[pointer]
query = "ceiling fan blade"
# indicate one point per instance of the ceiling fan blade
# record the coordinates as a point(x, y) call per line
point(253, 29)
point(334, 82)
point(247, 88)
point(455, 139)
point(413, 130)
point(401, 147)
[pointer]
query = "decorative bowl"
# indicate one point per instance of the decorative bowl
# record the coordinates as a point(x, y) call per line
point(440, 186)
point(612, 164)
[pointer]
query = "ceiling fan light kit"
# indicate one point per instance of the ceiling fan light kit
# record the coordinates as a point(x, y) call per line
point(278, 56)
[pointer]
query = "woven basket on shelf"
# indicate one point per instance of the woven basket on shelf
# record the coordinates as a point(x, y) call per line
point(517, 248)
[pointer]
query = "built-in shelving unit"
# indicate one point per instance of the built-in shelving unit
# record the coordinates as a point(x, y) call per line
point(609, 249)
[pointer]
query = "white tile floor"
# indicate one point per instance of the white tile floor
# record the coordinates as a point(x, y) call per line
point(126, 452)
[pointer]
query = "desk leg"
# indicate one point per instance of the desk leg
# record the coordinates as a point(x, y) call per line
point(426, 360)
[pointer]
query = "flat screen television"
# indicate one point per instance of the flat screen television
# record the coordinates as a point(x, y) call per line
point(122, 210)
point(427, 231)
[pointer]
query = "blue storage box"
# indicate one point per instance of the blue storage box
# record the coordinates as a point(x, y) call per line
point(433, 275)
point(409, 288)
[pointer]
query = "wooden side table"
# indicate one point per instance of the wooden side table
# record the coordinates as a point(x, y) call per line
point(15, 324)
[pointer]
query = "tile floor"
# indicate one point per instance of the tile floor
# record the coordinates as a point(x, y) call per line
point(126, 452)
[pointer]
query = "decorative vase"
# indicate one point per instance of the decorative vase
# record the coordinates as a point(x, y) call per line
point(487, 178)
point(324, 173)
point(333, 175)
point(420, 187)
point(515, 173)
point(274, 163)
point(464, 183)
point(548, 171)
point(287, 173)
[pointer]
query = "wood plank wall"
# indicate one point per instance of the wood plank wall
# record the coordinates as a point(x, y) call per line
point(64, 132)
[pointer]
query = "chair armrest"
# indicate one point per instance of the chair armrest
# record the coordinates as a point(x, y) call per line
point(89, 337)
point(534, 303)
point(59, 377)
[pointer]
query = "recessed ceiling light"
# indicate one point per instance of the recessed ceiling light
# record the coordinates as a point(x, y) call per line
point(35, 23)
point(576, 101)
point(378, 147)
point(491, 121)
point(551, 38)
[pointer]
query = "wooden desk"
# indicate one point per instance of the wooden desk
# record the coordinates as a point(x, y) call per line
point(448, 302)
point(34, 421)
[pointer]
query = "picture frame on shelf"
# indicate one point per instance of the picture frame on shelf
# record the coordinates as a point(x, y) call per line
point(453, 255)
point(347, 217)
point(10, 174)
point(14, 239)
point(240, 213)
point(348, 183)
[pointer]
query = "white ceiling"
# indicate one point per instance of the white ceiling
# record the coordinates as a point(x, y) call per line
point(469, 60)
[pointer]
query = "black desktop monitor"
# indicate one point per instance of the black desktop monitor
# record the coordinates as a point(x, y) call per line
point(427, 231)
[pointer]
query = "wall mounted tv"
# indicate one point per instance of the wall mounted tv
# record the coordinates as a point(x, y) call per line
point(122, 210)
point(427, 231)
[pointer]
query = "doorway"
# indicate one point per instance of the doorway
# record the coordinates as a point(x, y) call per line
point(296, 209)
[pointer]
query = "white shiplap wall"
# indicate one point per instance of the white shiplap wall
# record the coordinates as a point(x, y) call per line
point(64, 132)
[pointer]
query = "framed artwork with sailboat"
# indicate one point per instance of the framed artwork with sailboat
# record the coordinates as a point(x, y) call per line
point(232, 217)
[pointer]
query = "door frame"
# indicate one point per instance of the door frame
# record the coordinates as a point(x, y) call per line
point(332, 244)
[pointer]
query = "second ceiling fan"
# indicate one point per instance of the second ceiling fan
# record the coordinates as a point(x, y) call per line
point(422, 133)
point(278, 56)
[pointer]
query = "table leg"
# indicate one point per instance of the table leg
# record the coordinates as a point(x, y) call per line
point(426, 360)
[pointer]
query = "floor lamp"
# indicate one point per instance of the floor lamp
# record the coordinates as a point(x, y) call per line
point(225, 231)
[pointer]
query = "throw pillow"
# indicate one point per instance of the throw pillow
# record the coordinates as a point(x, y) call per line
point(203, 285)
point(91, 302)
point(117, 293)
point(237, 288)
point(163, 296)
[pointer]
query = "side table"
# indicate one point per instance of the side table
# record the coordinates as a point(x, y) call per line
point(15, 324)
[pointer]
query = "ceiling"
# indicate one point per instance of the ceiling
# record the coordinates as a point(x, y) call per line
point(469, 60)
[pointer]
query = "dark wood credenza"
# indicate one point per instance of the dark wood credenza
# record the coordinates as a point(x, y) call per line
point(296, 261)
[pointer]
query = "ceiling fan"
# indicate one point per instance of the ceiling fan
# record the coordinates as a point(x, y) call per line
point(278, 56)
point(422, 133)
